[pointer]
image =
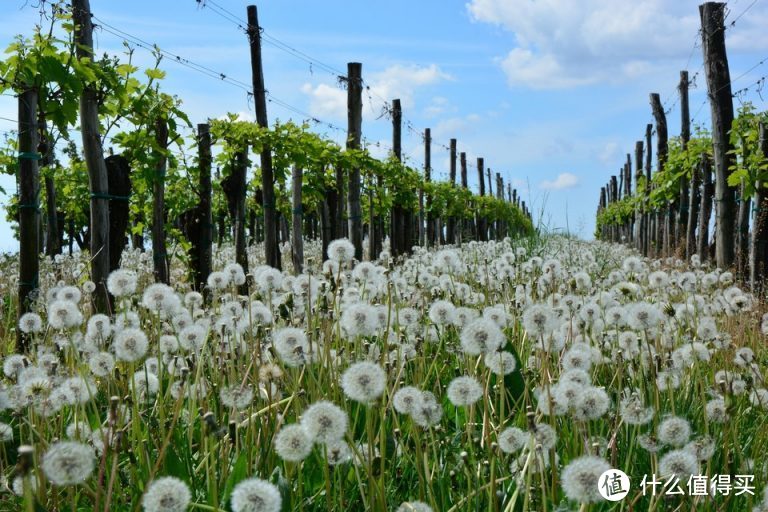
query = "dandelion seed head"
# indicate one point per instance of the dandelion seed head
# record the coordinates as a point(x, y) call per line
point(68, 463)
point(325, 422)
point(580, 478)
point(166, 494)
point(292, 443)
point(363, 381)
point(680, 463)
point(464, 391)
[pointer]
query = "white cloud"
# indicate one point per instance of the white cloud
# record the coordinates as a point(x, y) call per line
point(609, 153)
point(397, 81)
point(326, 101)
point(568, 43)
point(563, 181)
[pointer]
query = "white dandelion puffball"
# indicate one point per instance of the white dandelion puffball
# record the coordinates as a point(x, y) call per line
point(500, 363)
point(341, 251)
point(464, 391)
point(236, 396)
point(256, 495)
point(337, 452)
point(292, 443)
point(680, 463)
point(674, 431)
point(122, 283)
point(166, 494)
point(364, 381)
point(481, 336)
point(414, 506)
point(406, 399)
point(580, 478)
point(30, 322)
point(513, 439)
point(325, 422)
point(68, 463)
point(539, 320)
point(130, 345)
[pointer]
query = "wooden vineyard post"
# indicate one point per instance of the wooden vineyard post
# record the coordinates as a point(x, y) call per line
point(431, 230)
point(354, 125)
point(53, 234)
point(451, 227)
point(202, 247)
point(94, 160)
point(480, 223)
point(397, 223)
point(721, 105)
point(614, 198)
point(758, 257)
point(271, 248)
point(159, 256)
point(601, 206)
point(694, 200)
point(297, 241)
point(239, 171)
point(499, 195)
point(663, 226)
point(705, 211)
point(649, 231)
point(463, 231)
point(29, 208)
point(639, 227)
point(685, 137)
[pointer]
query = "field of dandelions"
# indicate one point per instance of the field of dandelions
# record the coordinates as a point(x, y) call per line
point(499, 376)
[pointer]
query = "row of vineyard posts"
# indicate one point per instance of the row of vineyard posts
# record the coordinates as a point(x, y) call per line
point(669, 211)
point(335, 192)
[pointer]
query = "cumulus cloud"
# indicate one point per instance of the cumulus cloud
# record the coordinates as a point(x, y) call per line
point(563, 181)
point(397, 81)
point(568, 43)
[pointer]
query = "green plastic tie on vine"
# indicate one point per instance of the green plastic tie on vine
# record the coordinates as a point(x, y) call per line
point(30, 206)
point(109, 197)
point(25, 155)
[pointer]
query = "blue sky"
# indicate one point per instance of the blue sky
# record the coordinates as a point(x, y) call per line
point(552, 93)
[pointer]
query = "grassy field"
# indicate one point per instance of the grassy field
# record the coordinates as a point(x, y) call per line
point(496, 376)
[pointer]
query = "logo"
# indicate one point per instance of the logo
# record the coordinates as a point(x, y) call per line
point(613, 485)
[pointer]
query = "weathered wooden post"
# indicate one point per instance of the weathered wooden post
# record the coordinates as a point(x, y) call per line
point(685, 136)
point(758, 257)
point(354, 125)
point(94, 160)
point(721, 104)
point(426, 233)
point(29, 208)
point(397, 225)
point(649, 217)
point(202, 248)
point(663, 226)
point(297, 240)
point(271, 247)
point(159, 256)
point(480, 223)
point(705, 212)
point(639, 228)
point(451, 228)
point(239, 171)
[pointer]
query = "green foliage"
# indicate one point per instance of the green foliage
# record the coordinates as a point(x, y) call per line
point(749, 167)
point(665, 184)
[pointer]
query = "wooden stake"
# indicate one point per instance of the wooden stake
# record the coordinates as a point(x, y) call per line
point(297, 234)
point(29, 209)
point(271, 248)
point(721, 104)
point(94, 160)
